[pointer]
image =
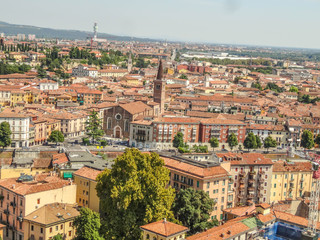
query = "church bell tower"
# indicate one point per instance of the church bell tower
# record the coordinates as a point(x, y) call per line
point(159, 88)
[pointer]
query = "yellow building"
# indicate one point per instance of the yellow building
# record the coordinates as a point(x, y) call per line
point(290, 180)
point(85, 179)
point(17, 96)
point(22, 196)
point(163, 230)
point(51, 220)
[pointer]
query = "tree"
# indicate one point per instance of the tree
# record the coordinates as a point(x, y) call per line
point(294, 89)
point(87, 225)
point(5, 134)
point(258, 140)
point(178, 140)
point(192, 208)
point(269, 142)
point(232, 140)
point(250, 141)
point(317, 140)
point(56, 136)
point(183, 76)
point(214, 142)
point(41, 72)
point(133, 193)
point(58, 237)
point(307, 139)
point(94, 126)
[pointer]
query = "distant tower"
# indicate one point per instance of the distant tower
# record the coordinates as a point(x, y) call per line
point(129, 63)
point(95, 31)
point(159, 88)
point(206, 80)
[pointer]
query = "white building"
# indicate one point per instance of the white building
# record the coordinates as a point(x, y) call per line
point(48, 85)
point(84, 71)
point(19, 125)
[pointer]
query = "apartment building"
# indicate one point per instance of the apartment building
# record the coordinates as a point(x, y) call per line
point(85, 179)
point(19, 125)
point(291, 180)
point(165, 129)
point(141, 134)
point(21, 196)
point(252, 174)
point(49, 221)
point(209, 176)
point(221, 129)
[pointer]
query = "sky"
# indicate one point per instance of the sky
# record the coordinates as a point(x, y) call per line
point(286, 23)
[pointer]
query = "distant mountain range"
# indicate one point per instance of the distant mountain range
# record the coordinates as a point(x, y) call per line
point(14, 29)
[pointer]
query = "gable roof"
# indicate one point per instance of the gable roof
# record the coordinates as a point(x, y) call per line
point(164, 228)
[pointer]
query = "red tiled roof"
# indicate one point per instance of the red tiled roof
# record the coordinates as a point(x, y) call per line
point(87, 172)
point(164, 228)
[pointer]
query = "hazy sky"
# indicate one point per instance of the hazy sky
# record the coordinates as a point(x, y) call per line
point(292, 23)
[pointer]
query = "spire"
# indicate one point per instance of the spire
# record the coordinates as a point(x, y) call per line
point(160, 71)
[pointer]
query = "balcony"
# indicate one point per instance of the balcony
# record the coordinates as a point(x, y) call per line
point(301, 180)
point(242, 174)
point(261, 180)
point(250, 188)
point(251, 180)
point(13, 204)
point(241, 186)
point(292, 180)
point(241, 181)
point(6, 211)
point(260, 188)
point(250, 196)
point(252, 173)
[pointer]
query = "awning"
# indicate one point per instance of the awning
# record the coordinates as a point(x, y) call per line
point(67, 175)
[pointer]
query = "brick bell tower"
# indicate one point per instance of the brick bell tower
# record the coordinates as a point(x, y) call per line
point(159, 88)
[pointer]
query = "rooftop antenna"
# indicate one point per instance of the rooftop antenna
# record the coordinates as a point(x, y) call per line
point(95, 31)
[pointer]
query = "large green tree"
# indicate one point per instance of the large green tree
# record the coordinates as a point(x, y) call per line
point(5, 134)
point(94, 126)
point(250, 141)
point(178, 140)
point(56, 136)
point(193, 207)
point(58, 237)
point(87, 225)
point(214, 142)
point(269, 142)
point(232, 140)
point(307, 139)
point(133, 193)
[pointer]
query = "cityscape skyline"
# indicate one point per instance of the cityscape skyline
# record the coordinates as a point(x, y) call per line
point(219, 22)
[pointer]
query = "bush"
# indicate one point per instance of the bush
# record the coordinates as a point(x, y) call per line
point(86, 141)
point(103, 143)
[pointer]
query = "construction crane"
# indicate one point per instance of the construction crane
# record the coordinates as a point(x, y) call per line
point(311, 231)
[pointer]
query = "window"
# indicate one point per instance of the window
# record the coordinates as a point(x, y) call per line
point(236, 169)
point(70, 224)
point(69, 233)
point(109, 123)
point(32, 228)
point(208, 184)
point(41, 230)
point(274, 194)
point(275, 176)
point(198, 184)
point(20, 202)
point(57, 228)
point(61, 226)
point(274, 185)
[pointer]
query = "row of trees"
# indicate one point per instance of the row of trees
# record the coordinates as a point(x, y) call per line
point(13, 68)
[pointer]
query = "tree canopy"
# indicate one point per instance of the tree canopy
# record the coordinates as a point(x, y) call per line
point(133, 193)
point(87, 225)
point(307, 139)
point(192, 208)
point(214, 142)
point(94, 126)
point(269, 142)
point(5, 134)
point(250, 142)
point(56, 136)
point(232, 140)
point(178, 140)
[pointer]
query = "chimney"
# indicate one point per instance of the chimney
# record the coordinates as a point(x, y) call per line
point(164, 220)
point(13, 186)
